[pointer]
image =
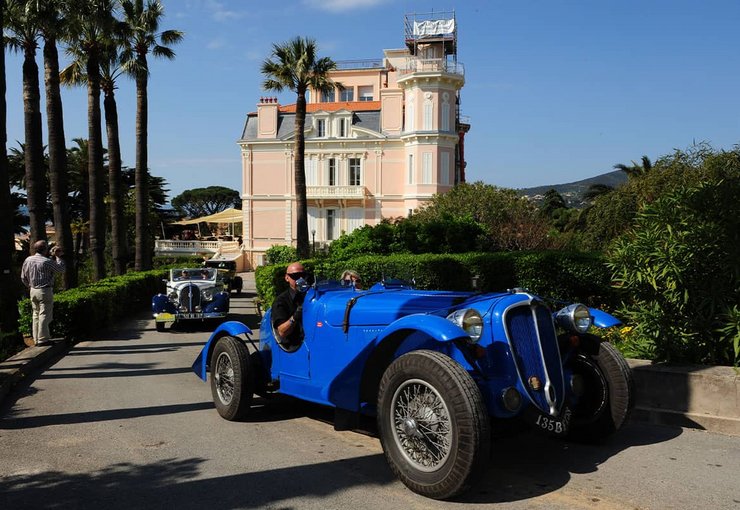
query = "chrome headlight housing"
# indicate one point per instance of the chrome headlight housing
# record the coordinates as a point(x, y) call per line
point(172, 296)
point(207, 293)
point(575, 318)
point(470, 321)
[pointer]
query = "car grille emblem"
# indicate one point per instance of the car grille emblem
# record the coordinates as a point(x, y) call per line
point(535, 383)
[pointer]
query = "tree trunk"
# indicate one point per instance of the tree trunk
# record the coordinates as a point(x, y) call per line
point(115, 185)
point(58, 180)
point(95, 168)
point(141, 177)
point(34, 150)
point(300, 177)
point(8, 275)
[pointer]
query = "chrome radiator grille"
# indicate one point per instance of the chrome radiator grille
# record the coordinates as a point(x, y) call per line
point(533, 343)
point(189, 298)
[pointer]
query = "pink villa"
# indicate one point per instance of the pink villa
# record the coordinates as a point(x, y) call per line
point(379, 148)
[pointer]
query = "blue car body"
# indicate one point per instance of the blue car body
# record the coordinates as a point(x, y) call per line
point(352, 336)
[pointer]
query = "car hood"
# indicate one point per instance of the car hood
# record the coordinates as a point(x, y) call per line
point(382, 308)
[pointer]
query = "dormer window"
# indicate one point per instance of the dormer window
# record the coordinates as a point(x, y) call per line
point(343, 128)
point(328, 97)
point(366, 93)
point(321, 128)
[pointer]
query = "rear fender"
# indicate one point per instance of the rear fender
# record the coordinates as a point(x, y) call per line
point(230, 328)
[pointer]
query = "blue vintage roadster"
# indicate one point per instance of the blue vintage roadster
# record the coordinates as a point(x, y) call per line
point(436, 368)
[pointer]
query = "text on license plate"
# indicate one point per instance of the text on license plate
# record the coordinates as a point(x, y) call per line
point(558, 425)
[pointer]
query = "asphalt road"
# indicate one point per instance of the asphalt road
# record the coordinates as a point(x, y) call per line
point(122, 422)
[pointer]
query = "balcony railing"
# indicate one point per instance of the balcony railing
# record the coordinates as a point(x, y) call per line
point(344, 65)
point(421, 65)
point(165, 246)
point(335, 191)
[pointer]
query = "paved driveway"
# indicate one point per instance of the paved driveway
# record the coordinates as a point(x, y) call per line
point(122, 422)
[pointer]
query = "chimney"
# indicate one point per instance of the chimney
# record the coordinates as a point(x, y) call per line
point(267, 117)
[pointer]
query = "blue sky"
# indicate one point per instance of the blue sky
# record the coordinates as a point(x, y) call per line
point(556, 91)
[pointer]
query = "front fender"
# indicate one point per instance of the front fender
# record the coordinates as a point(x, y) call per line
point(230, 328)
point(393, 342)
point(436, 327)
point(603, 319)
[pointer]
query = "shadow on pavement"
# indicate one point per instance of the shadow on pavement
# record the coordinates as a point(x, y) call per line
point(528, 465)
point(98, 415)
point(174, 484)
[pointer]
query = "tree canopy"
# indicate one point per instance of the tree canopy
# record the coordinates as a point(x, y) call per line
point(204, 201)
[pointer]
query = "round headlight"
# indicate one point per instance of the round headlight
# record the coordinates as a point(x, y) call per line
point(575, 317)
point(208, 294)
point(469, 320)
point(511, 399)
point(172, 296)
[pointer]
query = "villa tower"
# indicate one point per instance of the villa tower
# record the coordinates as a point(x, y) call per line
point(377, 148)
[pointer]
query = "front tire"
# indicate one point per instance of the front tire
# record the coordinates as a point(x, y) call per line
point(608, 396)
point(433, 424)
point(159, 326)
point(232, 378)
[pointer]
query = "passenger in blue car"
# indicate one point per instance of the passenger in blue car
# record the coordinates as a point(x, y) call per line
point(287, 310)
point(351, 278)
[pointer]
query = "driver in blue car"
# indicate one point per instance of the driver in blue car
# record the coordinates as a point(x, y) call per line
point(287, 309)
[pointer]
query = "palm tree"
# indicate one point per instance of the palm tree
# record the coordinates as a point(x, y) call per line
point(24, 35)
point(77, 158)
point(142, 25)
point(52, 25)
point(9, 295)
point(636, 170)
point(110, 70)
point(294, 65)
point(91, 25)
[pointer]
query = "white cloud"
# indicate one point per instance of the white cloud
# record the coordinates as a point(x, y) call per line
point(343, 5)
point(221, 13)
point(216, 44)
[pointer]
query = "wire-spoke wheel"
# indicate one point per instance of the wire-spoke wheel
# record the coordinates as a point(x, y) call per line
point(421, 425)
point(232, 378)
point(433, 424)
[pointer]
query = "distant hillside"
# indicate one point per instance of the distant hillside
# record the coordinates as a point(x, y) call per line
point(572, 192)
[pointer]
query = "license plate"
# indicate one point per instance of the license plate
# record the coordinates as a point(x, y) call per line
point(165, 317)
point(557, 425)
point(191, 315)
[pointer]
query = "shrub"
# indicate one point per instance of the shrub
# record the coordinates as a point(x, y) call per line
point(558, 275)
point(80, 312)
point(680, 267)
point(280, 254)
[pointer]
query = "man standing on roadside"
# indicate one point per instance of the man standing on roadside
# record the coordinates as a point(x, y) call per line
point(37, 274)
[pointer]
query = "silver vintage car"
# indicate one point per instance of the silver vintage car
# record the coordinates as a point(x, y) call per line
point(191, 294)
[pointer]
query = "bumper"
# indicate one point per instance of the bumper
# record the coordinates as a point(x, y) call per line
point(174, 317)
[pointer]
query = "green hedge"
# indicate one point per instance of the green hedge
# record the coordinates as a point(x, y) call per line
point(80, 312)
point(558, 275)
